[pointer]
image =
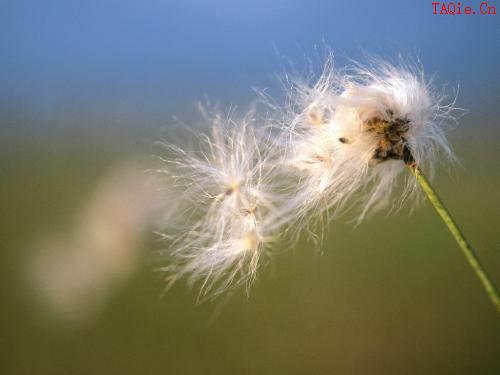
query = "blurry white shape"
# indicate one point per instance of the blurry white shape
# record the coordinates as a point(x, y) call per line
point(74, 273)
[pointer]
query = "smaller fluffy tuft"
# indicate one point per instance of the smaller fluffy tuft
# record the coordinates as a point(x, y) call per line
point(231, 207)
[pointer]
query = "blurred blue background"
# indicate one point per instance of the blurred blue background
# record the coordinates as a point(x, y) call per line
point(131, 64)
point(87, 84)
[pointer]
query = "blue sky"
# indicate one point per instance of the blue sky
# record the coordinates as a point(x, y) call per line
point(147, 60)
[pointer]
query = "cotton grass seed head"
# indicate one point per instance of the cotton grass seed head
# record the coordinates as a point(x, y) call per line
point(400, 119)
point(231, 208)
point(347, 137)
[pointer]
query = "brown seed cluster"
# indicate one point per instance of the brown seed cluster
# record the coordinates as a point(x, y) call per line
point(390, 134)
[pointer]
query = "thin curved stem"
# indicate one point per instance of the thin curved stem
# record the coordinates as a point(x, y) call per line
point(467, 250)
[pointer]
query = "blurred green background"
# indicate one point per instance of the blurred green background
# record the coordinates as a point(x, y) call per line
point(87, 86)
point(393, 296)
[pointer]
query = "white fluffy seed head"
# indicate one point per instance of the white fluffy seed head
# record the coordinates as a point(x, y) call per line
point(350, 134)
point(231, 205)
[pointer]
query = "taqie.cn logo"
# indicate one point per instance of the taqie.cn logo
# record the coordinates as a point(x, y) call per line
point(452, 8)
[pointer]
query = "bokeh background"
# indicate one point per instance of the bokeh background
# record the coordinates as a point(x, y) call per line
point(87, 85)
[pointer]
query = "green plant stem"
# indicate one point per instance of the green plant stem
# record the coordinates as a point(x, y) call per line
point(457, 235)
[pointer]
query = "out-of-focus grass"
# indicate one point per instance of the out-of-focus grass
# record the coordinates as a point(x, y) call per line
point(392, 296)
